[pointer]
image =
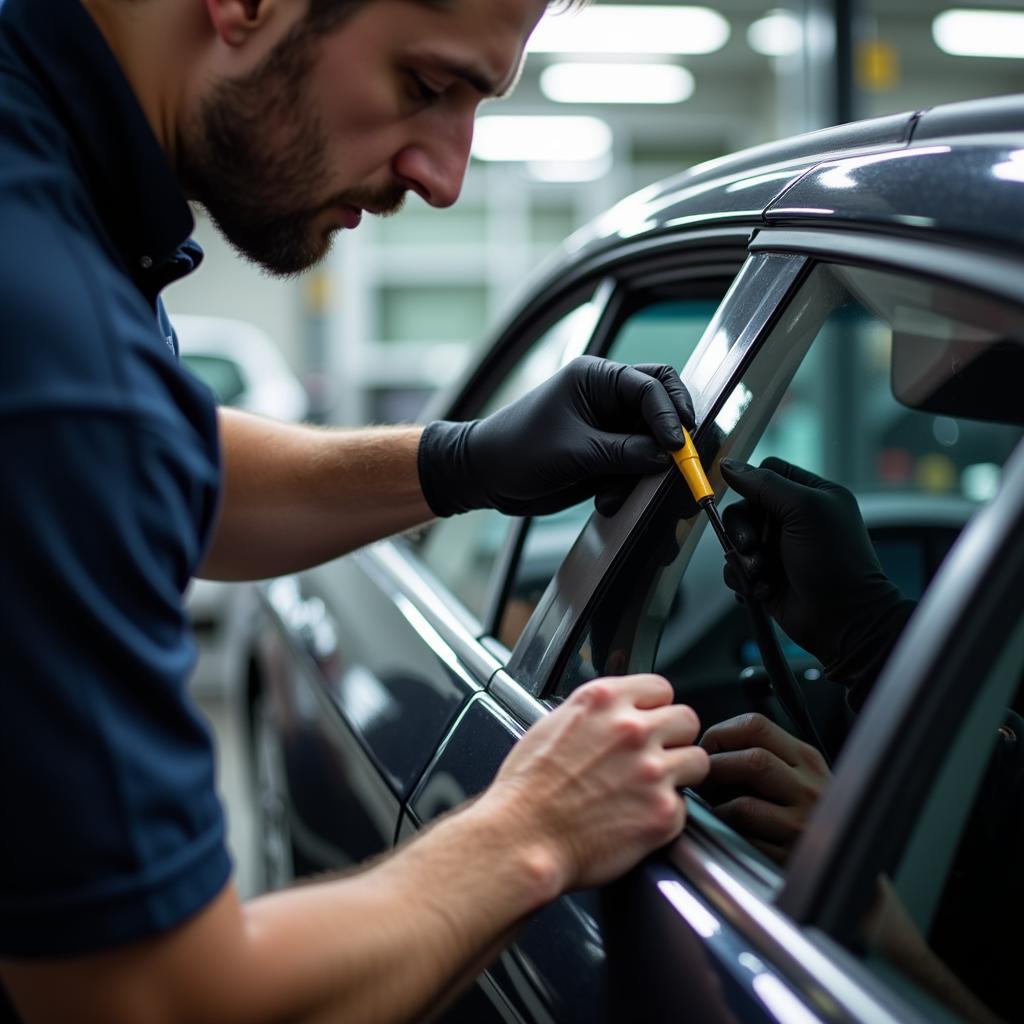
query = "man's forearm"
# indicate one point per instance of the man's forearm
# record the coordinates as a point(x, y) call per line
point(400, 903)
point(296, 496)
point(382, 945)
point(588, 790)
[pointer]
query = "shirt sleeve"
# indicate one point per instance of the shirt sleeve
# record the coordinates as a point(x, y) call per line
point(112, 827)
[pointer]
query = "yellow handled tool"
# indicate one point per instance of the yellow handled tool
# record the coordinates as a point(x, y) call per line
point(688, 461)
point(786, 688)
point(689, 465)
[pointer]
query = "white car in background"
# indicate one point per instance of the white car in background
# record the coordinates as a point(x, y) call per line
point(244, 368)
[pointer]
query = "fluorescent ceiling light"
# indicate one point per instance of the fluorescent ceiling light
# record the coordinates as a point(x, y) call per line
point(616, 83)
point(570, 170)
point(979, 33)
point(543, 139)
point(777, 34)
point(622, 28)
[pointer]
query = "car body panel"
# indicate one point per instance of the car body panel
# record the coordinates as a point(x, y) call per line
point(736, 187)
point(970, 117)
point(348, 710)
point(948, 186)
point(566, 963)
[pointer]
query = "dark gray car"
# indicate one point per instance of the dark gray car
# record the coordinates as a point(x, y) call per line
point(852, 301)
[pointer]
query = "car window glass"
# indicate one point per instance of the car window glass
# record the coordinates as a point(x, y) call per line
point(222, 376)
point(462, 551)
point(940, 927)
point(662, 332)
point(820, 393)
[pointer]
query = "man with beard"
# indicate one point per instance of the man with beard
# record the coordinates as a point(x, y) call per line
point(287, 119)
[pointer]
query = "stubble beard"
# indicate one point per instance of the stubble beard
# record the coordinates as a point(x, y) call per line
point(256, 159)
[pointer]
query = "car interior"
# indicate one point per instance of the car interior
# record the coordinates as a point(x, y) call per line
point(832, 390)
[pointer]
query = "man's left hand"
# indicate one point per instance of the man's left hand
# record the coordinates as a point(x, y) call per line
point(589, 430)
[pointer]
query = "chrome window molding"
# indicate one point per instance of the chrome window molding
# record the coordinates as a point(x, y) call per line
point(741, 321)
point(830, 981)
point(514, 698)
point(405, 579)
point(762, 875)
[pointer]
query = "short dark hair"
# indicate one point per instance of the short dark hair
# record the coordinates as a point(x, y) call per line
point(324, 15)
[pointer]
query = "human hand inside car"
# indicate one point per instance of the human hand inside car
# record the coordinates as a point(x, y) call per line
point(588, 431)
point(762, 781)
point(807, 554)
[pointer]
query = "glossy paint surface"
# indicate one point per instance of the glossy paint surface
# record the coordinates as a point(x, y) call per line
point(965, 188)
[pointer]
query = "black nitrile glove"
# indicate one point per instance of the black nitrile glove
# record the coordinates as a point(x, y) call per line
point(586, 431)
point(810, 562)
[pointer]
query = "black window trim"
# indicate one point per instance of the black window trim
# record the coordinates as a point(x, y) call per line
point(628, 293)
point(867, 814)
point(994, 274)
point(540, 651)
point(676, 256)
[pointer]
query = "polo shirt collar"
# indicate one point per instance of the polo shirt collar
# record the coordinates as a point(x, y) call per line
point(129, 176)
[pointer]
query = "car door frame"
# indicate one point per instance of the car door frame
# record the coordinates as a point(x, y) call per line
point(795, 922)
point(685, 260)
point(610, 277)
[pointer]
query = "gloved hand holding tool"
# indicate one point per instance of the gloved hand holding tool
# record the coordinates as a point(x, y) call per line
point(589, 430)
point(783, 682)
point(803, 551)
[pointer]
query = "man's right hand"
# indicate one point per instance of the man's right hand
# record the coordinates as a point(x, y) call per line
point(595, 783)
point(808, 557)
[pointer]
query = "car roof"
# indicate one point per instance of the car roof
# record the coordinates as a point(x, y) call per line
point(969, 181)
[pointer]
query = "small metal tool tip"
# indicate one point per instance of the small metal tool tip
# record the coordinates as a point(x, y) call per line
point(708, 504)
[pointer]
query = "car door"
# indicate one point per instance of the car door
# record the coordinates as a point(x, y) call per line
point(561, 979)
point(372, 656)
point(366, 661)
point(709, 919)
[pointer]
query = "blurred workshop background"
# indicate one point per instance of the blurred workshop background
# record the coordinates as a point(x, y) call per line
point(612, 98)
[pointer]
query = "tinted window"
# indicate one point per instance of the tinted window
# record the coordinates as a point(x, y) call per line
point(941, 926)
point(462, 551)
point(820, 393)
point(663, 332)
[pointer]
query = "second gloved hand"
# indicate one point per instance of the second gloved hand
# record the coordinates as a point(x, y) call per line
point(810, 561)
point(589, 430)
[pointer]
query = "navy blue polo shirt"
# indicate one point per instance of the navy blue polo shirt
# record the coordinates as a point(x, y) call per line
point(109, 467)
